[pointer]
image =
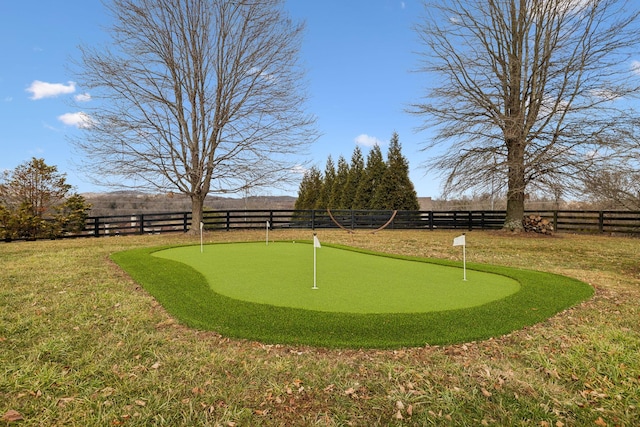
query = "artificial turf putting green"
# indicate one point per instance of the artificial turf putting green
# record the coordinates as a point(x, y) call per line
point(281, 274)
point(186, 293)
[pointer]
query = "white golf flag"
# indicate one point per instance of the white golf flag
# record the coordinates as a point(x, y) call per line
point(459, 241)
point(316, 242)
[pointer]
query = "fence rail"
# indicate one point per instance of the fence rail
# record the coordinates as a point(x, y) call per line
point(603, 222)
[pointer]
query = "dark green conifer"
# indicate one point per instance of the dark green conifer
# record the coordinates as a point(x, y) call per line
point(396, 190)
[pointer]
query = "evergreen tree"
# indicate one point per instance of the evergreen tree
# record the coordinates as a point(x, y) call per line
point(310, 189)
point(396, 190)
point(356, 175)
point(373, 176)
point(327, 185)
point(339, 185)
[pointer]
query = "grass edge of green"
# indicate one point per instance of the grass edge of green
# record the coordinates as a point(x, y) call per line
point(186, 295)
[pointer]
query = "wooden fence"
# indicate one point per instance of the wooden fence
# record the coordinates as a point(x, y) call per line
point(603, 222)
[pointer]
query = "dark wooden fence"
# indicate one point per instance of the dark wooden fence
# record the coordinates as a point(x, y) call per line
point(609, 222)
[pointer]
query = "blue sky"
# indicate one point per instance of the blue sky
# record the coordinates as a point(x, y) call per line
point(359, 55)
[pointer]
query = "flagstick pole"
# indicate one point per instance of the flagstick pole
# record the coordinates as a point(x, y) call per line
point(314, 262)
point(201, 227)
point(464, 262)
point(267, 233)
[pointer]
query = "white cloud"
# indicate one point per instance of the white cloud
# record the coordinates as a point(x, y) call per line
point(82, 97)
point(299, 169)
point(8, 99)
point(606, 95)
point(367, 141)
point(635, 67)
point(80, 120)
point(39, 89)
point(402, 5)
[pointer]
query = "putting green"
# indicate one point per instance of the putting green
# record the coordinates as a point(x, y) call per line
point(364, 299)
point(281, 274)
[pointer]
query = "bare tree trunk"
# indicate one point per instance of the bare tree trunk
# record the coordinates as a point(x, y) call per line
point(516, 185)
point(197, 207)
point(515, 205)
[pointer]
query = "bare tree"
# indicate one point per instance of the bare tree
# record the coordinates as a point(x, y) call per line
point(197, 96)
point(532, 92)
point(613, 189)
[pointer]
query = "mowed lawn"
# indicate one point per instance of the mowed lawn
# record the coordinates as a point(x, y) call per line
point(82, 344)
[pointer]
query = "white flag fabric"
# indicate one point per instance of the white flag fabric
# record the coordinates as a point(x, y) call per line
point(316, 242)
point(459, 241)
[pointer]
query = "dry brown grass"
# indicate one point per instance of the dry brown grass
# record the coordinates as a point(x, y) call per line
point(81, 344)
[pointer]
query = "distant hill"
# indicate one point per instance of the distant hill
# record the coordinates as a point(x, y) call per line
point(130, 202)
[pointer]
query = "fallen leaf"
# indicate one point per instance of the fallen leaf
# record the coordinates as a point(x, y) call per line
point(11, 416)
point(410, 410)
point(486, 392)
point(399, 416)
point(155, 365)
point(399, 405)
point(64, 400)
point(107, 391)
point(600, 422)
point(141, 402)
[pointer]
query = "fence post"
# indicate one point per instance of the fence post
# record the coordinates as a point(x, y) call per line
point(470, 220)
point(430, 220)
point(141, 224)
point(313, 219)
point(228, 227)
point(601, 222)
point(96, 227)
point(555, 221)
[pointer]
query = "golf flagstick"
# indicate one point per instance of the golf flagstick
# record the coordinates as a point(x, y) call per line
point(461, 241)
point(201, 227)
point(316, 245)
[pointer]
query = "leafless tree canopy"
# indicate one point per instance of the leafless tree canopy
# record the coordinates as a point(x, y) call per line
point(613, 189)
point(196, 96)
point(527, 94)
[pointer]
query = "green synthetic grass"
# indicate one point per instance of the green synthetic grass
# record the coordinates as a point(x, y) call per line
point(186, 293)
point(281, 274)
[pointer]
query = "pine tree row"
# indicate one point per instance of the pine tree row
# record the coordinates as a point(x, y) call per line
point(376, 185)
